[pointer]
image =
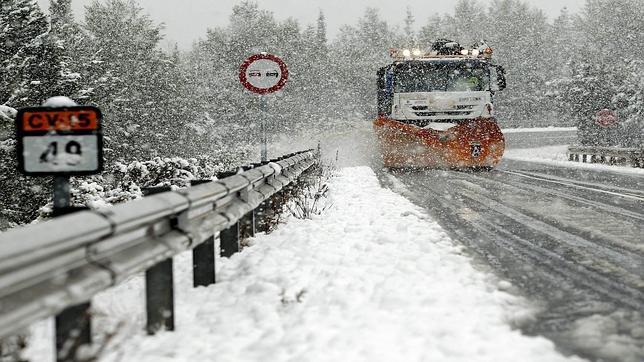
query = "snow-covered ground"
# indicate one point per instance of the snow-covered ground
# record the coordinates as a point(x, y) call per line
point(557, 156)
point(372, 279)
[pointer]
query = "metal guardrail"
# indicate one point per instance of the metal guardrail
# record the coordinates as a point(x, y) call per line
point(608, 155)
point(48, 268)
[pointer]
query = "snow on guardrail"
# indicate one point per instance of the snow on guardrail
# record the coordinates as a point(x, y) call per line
point(55, 267)
point(607, 155)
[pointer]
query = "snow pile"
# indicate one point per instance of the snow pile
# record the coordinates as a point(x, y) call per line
point(557, 156)
point(7, 114)
point(59, 101)
point(370, 280)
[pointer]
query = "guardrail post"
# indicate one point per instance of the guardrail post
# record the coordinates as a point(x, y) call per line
point(73, 329)
point(261, 217)
point(159, 288)
point(229, 240)
point(73, 325)
point(278, 201)
point(248, 225)
point(203, 263)
point(159, 293)
point(203, 257)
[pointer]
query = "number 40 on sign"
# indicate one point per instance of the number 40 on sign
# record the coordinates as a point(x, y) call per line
point(59, 141)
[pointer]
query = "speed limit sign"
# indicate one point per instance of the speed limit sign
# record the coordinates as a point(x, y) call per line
point(59, 141)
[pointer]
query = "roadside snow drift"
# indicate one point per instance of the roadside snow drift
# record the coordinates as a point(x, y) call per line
point(557, 156)
point(373, 279)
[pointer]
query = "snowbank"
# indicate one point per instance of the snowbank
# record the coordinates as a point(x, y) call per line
point(373, 279)
point(557, 156)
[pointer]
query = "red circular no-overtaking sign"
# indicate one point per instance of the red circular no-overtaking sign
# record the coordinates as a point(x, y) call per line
point(263, 73)
point(606, 118)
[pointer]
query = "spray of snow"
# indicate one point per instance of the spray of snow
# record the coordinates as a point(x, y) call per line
point(611, 337)
point(538, 129)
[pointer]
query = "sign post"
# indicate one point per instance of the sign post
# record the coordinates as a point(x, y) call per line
point(263, 74)
point(263, 106)
point(62, 142)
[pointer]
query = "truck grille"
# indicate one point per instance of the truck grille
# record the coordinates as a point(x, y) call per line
point(444, 113)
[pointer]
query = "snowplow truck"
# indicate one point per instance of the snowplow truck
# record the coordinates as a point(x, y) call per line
point(436, 108)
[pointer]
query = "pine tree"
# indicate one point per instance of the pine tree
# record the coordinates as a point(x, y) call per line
point(467, 24)
point(361, 50)
point(410, 34)
point(518, 34)
point(70, 44)
point(431, 31)
point(605, 72)
point(23, 33)
point(629, 103)
point(321, 36)
point(134, 82)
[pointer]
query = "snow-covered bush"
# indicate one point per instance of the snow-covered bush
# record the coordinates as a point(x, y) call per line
point(310, 196)
point(122, 182)
point(20, 196)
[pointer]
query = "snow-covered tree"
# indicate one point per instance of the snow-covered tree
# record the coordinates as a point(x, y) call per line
point(359, 52)
point(321, 31)
point(25, 73)
point(134, 82)
point(409, 32)
point(629, 101)
point(467, 24)
point(519, 35)
point(69, 43)
point(431, 31)
point(604, 71)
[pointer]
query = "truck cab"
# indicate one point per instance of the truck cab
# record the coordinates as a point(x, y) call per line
point(436, 108)
point(442, 88)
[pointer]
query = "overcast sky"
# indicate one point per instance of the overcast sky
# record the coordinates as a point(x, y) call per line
point(187, 20)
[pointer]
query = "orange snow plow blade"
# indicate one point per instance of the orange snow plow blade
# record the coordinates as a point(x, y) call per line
point(476, 143)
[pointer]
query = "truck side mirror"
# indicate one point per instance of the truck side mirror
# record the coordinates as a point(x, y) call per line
point(500, 76)
point(497, 78)
point(384, 93)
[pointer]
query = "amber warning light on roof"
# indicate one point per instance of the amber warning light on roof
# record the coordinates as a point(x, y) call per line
point(76, 119)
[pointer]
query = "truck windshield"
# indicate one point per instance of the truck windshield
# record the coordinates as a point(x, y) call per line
point(446, 77)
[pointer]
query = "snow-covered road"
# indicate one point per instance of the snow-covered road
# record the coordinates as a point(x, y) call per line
point(372, 279)
point(568, 237)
